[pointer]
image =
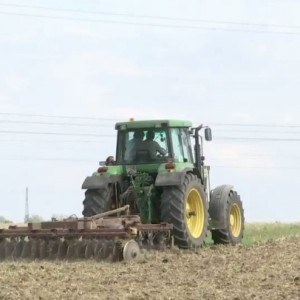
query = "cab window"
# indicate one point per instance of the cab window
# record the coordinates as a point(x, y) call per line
point(181, 145)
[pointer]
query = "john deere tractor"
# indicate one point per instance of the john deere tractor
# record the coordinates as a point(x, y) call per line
point(160, 173)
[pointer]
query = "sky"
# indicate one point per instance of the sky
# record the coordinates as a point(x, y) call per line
point(69, 71)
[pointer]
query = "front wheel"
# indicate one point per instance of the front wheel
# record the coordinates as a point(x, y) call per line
point(186, 207)
point(233, 216)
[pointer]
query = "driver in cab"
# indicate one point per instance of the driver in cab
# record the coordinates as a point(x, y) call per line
point(152, 146)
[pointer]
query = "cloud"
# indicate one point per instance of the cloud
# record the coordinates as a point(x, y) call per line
point(244, 158)
point(3, 97)
point(101, 32)
point(16, 83)
point(289, 118)
point(243, 117)
point(11, 86)
point(91, 80)
point(22, 37)
point(92, 64)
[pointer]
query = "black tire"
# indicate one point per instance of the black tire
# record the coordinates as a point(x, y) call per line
point(234, 231)
point(97, 201)
point(173, 210)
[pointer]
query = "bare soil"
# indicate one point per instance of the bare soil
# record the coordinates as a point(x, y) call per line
point(263, 271)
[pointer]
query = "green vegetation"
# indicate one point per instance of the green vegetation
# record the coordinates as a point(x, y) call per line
point(59, 217)
point(4, 220)
point(256, 233)
point(263, 232)
point(35, 218)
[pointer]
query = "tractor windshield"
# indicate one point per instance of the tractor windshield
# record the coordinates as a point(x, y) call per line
point(139, 146)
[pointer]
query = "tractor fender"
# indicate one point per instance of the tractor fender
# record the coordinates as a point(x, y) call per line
point(99, 182)
point(217, 206)
point(171, 178)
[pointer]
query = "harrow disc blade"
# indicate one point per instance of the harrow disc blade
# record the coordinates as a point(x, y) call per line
point(34, 249)
point(26, 251)
point(17, 252)
point(89, 249)
point(82, 248)
point(71, 253)
point(43, 249)
point(103, 249)
point(9, 248)
point(99, 251)
point(62, 250)
point(76, 249)
point(52, 249)
point(111, 245)
point(131, 250)
point(2, 250)
point(118, 251)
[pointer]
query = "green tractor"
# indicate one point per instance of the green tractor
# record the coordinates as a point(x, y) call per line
point(160, 172)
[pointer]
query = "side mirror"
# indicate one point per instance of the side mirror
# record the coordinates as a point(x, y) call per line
point(207, 134)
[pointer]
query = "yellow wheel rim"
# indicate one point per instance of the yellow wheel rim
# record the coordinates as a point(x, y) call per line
point(235, 220)
point(195, 213)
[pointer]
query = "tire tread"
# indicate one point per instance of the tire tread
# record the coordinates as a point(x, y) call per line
point(173, 211)
point(97, 201)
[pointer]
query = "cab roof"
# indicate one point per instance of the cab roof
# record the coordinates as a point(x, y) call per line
point(152, 124)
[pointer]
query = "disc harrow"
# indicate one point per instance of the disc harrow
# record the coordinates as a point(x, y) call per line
point(99, 237)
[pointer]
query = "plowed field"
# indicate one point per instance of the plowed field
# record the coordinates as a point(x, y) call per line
point(270, 270)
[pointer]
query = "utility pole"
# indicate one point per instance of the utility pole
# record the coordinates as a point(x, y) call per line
point(26, 220)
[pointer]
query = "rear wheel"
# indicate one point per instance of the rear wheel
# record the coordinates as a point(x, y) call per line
point(97, 201)
point(185, 207)
point(234, 220)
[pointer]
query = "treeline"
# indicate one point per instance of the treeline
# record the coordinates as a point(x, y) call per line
point(35, 218)
point(4, 220)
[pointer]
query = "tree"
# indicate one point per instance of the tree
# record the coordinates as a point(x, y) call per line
point(4, 220)
point(35, 219)
point(59, 217)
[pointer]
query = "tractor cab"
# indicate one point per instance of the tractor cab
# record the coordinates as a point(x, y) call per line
point(153, 142)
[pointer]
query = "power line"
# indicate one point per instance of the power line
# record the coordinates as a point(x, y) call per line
point(150, 16)
point(56, 133)
point(112, 126)
point(148, 24)
point(49, 159)
point(100, 119)
point(54, 141)
point(250, 157)
point(255, 125)
point(258, 132)
point(54, 123)
point(226, 138)
point(57, 116)
point(261, 139)
point(257, 167)
point(244, 158)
